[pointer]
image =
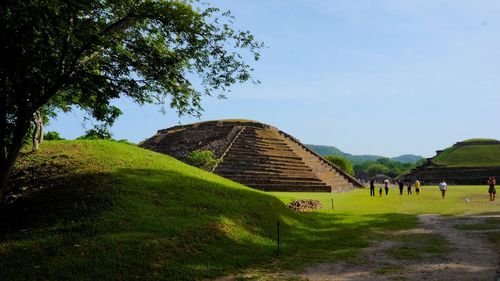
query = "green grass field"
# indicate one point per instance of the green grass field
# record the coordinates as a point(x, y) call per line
point(112, 211)
point(427, 202)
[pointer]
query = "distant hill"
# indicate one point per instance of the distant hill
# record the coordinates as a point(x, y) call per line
point(331, 150)
point(407, 158)
point(325, 150)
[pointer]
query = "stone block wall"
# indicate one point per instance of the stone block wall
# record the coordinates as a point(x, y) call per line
point(254, 154)
point(323, 169)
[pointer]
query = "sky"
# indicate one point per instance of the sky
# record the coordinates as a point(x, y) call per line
point(369, 77)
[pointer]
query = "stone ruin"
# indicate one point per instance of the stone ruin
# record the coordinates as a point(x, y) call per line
point(254, 154)
point(305, 205)
point(432, 173)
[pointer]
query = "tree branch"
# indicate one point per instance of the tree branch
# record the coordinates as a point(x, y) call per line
point(65, 76)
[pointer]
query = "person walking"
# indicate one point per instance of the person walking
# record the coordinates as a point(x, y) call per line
point(417, 187)
point(386, 187)
point(409, 187)
point(492, 190)
point(372, 187)
point(401, 185)
point(443, 187)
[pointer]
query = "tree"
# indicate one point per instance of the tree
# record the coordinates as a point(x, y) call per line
point(56, 54)
point(341, 162)
point(52, 135)
point(97, 133)
point(375, 169)
point(204, 159)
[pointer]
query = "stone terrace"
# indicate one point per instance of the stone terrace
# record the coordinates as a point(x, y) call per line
point(256, 155)
point(455, 175)
point(432, 173)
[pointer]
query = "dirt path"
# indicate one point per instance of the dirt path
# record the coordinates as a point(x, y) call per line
point(469, 257)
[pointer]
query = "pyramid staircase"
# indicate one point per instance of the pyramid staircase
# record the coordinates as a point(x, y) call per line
point(254, 154)
point(264, 159)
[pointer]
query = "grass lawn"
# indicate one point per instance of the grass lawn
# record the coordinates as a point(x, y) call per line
point(104, 210)
point(358, 202)
point(112, 211)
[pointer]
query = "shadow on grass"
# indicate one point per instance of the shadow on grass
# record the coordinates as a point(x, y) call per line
point(65, 200)
point(154, 224)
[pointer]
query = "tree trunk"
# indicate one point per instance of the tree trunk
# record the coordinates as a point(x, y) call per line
point(40, 137)
point(3, 128)
point(5, 169)
point(37, 137)
point(34, 137)
point(12, 152)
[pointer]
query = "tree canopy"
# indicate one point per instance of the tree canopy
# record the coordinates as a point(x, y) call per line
point(384, 166)
point(342, 163)
point(57, 54)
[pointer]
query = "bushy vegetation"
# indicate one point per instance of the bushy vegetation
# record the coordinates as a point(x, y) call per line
point(52, 135)
point(97, 133)
point(342, 163)
point(384, 166)
point(204, 159)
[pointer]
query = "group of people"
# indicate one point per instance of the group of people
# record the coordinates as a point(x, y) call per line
point(401, 185)
point(409, 186)
point(443, 187)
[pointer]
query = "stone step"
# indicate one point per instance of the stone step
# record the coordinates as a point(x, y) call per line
point(233, 160)
point(293, 188)
point(253, 153)
point(261, 175)
point(241, 165)
point(295, 184)
point(260, 139)
point(247, 149)
point(247, 136)
point(249, 155)
point(280, 180)
point(260, 145)
point(267, 171)
point(263, 170)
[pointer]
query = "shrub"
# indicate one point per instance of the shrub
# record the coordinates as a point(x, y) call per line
point(97, 133)
point(203, 159)
point(341, 162)
point(52, 135)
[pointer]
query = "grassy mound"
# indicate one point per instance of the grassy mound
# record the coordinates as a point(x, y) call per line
point(99, 210)
point(480, 140)
point(474, 155)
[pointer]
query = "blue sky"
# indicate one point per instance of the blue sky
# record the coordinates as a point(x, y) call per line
point(369, 77)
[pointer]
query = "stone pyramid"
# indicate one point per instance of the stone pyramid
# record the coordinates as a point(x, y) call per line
point(254, 154)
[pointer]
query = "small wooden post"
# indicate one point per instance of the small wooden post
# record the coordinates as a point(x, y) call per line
point(332, 203)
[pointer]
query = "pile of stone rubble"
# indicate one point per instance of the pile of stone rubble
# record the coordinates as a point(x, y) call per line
point(305, 205)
